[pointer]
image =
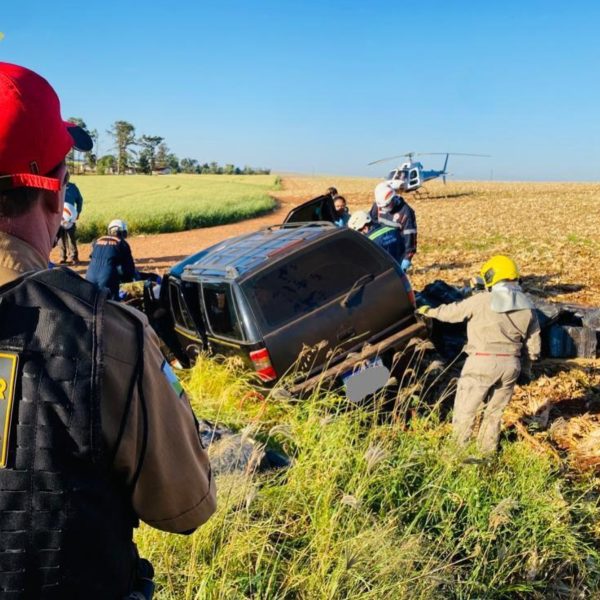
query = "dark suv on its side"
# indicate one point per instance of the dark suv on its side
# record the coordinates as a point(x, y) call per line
point(306, 298)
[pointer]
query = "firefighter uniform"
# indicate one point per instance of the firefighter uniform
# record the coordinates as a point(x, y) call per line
point(402, 216)
point(111, 263)
point(495, 341)
point(95, 432)
point(389, 238)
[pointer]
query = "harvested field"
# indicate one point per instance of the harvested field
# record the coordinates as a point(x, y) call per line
point(551, 229)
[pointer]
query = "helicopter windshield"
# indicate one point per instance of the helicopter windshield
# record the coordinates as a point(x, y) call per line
point(398, 174)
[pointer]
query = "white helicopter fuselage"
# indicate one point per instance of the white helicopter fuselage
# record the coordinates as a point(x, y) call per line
point(406, 177)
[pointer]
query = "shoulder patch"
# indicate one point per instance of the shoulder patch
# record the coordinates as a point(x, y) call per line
point(172, 378)
point(8, 373)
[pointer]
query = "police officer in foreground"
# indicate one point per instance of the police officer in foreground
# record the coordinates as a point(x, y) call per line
point(95, 431)
point(500, 324)
point(111, 261)
point(391, 209)
point(386, 236)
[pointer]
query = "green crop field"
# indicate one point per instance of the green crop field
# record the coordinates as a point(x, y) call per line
point(160, 204)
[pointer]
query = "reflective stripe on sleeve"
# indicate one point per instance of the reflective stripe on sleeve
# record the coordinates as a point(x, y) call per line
point(380, 232)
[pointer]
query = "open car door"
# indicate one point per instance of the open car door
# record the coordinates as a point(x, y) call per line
point(317, 209)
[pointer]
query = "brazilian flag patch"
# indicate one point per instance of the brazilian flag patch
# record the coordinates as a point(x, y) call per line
point(8, 373)
point(172, 378)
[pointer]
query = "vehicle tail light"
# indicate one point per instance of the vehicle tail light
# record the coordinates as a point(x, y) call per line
point(409, 291)
point(262, 364)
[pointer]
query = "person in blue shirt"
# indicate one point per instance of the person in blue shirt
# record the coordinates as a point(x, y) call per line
point(73, 196)
point(341, 211)
point(111, 261)
point(67, 234)
point(387, 236)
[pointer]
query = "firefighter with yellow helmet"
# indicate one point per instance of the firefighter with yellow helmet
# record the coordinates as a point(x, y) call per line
point(501, 324)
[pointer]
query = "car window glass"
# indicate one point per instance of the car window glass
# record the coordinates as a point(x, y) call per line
point(179, 309)
point(320, 209)
point(191, 304)
point(220, 310)
point(306, 281)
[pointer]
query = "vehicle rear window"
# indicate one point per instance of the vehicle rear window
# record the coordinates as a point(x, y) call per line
point(310, 279)
point(220, 310)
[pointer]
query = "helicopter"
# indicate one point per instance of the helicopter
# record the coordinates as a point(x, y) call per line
point(410, 175)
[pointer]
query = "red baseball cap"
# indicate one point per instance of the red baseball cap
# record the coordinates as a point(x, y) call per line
point(34, 139)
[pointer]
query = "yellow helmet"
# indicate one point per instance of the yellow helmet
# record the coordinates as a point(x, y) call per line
point(499, 268)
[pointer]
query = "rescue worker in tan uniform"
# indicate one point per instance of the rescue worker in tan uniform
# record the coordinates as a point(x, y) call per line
point(500, 323)
point(95, 430)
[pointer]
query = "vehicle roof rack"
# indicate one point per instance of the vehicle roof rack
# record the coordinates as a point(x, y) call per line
point(326, 224)
point(241, 256)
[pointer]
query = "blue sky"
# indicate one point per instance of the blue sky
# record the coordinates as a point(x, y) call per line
point(321, 87)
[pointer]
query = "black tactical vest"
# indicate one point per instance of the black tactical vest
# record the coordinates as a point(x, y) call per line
point(66, 522)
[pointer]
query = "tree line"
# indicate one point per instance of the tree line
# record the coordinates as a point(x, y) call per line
point(145, 154)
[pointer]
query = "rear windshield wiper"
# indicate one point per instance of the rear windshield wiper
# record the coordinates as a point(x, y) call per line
point(358, 285)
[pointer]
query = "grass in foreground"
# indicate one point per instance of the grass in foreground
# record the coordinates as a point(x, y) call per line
point(166, 203)
point(376, 509)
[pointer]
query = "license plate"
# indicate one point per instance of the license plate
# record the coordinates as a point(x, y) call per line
point(366, 379)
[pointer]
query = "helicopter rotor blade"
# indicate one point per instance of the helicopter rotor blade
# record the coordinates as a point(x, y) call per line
point(446, 166)
point(380, 160)
point(451, 154)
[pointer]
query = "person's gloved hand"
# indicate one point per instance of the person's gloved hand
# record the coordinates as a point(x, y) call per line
point(423, 310)
point(405, 265)
point(476, 284)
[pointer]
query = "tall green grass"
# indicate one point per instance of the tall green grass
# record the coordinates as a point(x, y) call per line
point(166, 203)
point(376, 508)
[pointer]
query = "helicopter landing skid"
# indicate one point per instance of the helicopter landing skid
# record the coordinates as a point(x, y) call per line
point(422, 193)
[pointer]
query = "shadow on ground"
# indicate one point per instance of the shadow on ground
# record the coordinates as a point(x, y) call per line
point(444, 266)
point(162, 259)
point(544, 286)
point(426, 196)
